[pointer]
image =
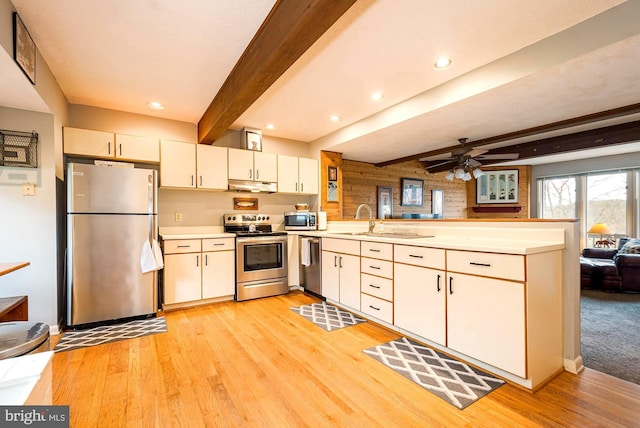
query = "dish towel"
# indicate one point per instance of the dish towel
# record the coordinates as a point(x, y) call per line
point(151, 257)
point(305, 251)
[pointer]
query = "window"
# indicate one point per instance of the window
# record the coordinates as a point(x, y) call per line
point(607, 201)
point(558, 198)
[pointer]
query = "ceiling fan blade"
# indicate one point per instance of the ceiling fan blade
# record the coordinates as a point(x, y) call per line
point(476, 152)
point(473, 163)
point(439, 166)
point(505, 156)
point(444, 156)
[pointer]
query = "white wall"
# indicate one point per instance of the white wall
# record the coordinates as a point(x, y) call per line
point(28, 223)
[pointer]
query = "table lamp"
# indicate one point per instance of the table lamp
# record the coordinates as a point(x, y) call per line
point(599, 229)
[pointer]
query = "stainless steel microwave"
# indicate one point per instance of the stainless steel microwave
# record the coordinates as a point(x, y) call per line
point(300, 220)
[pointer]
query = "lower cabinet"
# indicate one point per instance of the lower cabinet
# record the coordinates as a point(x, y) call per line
point(486, 320)
point(341, 271)
point(419, 299)
point(197, 269)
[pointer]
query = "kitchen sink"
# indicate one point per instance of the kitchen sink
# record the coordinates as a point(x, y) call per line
point(386, 235)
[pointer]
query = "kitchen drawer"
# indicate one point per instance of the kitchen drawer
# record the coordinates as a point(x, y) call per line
point(376, 286)
point(345, 246)
point(377, 250)
point(507, 266)
point(419, 256)
point(376, 267)
point(218, 244)
point(178, 246)
point(377, 308)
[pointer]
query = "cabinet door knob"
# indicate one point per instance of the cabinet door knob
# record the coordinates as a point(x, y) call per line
point(206, 259)
point(250, 175)
point(438, 283)
point(120, 149)
point(109, 148)
point(302, 187)
point(450, 285)
point(198, 261)
point(335, 261)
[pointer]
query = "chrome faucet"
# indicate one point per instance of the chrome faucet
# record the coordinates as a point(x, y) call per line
point(372, 223)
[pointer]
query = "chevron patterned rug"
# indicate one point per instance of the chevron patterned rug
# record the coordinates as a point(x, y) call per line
point(452, 380)
point(110, 333)
point(328, 316)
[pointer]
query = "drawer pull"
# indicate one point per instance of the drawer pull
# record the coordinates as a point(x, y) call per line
point(374, 286)
point(450, 285)
point(480, 264)
point(416, 256)
point(217, 245)
point(373, 307)
point(374, 250)
point(184, 246)
point(206, 259)
point(197, 261)
point(335, 261)
point(438, 283)
point(374, 267)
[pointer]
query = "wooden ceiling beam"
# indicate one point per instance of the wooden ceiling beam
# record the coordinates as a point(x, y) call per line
point(290, 29)
point(563, 124)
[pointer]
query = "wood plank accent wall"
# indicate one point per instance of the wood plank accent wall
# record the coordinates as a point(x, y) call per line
point(333, 209)
point(359, 181)
point(524, 189)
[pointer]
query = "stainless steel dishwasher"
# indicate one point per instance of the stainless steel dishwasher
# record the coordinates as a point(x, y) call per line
point(310, 264)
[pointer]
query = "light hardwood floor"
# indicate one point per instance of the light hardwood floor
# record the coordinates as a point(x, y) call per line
point(257, 363)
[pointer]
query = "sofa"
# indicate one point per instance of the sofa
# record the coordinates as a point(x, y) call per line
point(612, 270)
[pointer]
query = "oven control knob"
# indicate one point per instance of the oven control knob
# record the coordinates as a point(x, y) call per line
point(267, 218)
point(229, 218)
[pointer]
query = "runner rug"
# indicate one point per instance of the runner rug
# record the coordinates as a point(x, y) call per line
point(452, 380)
point(110, 333)
point(328, 316)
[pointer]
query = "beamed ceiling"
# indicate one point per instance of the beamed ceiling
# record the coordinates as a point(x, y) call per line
point(522, 72)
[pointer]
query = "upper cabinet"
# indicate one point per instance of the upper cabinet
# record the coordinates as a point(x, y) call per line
point(297, 175)
point(107, 145)
point(189, 165)
point(255, 166)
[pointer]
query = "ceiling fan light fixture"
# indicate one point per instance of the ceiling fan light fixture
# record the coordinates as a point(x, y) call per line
point(449, 175)
point(466, 176)
point(459, 173)
point(477, 173)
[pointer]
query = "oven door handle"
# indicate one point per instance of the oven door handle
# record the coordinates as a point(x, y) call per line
point(262, 239)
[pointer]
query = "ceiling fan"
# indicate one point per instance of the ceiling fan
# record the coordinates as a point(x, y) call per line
point(464, 161)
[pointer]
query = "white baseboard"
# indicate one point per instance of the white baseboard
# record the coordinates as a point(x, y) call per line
point(54, 329)
point(574, 366)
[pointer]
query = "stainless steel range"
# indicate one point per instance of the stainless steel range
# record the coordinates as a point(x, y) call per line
point(261, 256)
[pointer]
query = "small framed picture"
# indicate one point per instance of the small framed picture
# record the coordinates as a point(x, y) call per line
point(332, 191)
point(332, 173)
point(412, 192)
point(253, 140)
point(497, 187)
point(24, 49)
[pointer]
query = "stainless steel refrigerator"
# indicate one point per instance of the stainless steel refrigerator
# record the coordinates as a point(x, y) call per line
point(111, 217)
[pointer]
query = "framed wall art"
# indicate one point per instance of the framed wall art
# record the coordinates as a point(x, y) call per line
point(497, 187)
point(24, 49)
point(412, 192)
point(252, 139)
point(385, 202)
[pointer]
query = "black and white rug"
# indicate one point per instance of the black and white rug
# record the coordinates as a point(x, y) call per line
point(453, 381)
point(328, 316)
point(110, 333)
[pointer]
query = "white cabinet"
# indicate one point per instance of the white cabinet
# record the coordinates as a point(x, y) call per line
point(177, 164)
point(135, 147)
point(297, 175)
point(189, 165)
point(211, 167)
point(255, 166)
point(419, 300)
point(198, 269)
point(218, 267)
point(341, 271)
point(182, 271)
point(107, 145)
point(486, 320)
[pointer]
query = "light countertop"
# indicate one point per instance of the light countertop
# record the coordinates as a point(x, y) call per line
point(194, 232)
point(451, 243)
point(19, 375)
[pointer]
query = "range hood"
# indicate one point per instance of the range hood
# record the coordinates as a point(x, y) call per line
point(252, 186)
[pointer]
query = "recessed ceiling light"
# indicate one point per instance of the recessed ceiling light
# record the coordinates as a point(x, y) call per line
point(156, 105)
point(442, 62)
point(334, 118)
point(270, 126)
point(377, 96)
